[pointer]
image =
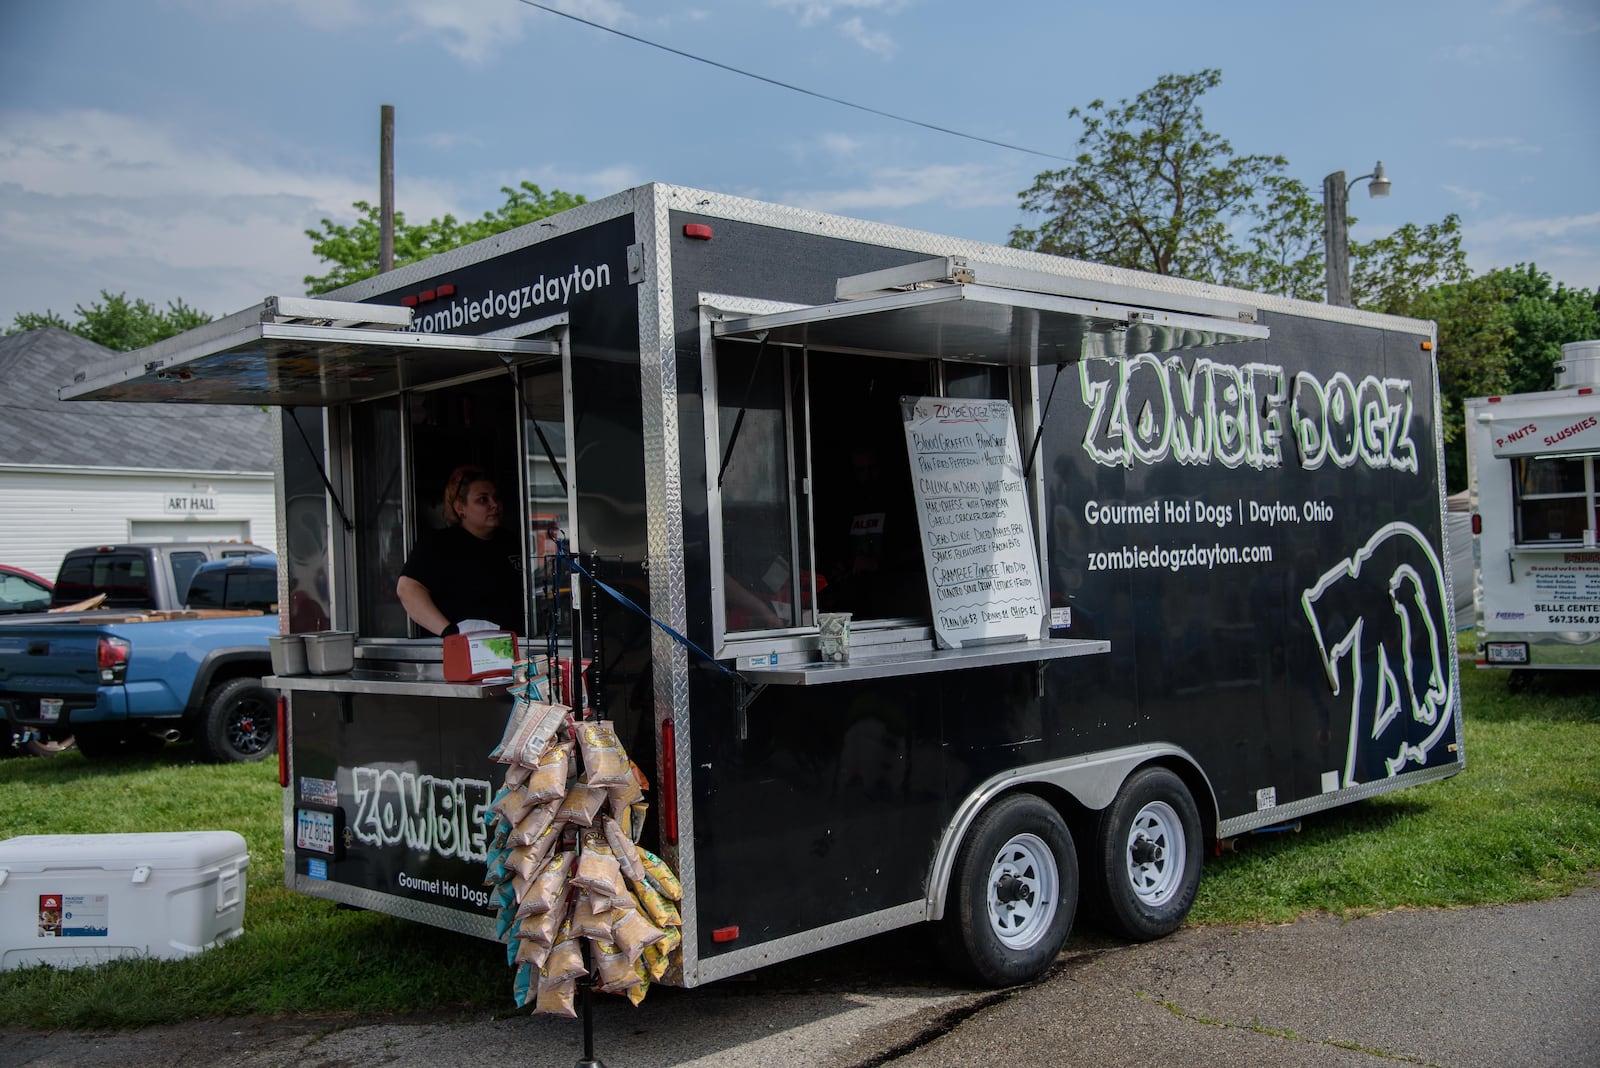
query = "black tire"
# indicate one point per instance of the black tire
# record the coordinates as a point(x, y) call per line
point(1149, 847)
point(239, 723)
point(1013, 893)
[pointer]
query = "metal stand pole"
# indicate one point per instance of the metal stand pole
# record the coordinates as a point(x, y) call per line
point(586, 991)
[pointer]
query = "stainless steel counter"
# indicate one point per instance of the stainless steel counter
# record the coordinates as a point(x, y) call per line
point(919, 661)
point(395, 683)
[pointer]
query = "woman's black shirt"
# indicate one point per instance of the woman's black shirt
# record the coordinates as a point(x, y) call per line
point(470, 578)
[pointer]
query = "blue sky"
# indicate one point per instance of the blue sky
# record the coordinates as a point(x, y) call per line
point(180, 148)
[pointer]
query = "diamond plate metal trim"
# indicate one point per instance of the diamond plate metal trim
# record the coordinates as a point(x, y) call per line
point(658, 375)
point(805, 221)
point(404, 908)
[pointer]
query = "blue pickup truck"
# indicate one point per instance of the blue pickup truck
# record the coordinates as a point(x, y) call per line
point(125, 680)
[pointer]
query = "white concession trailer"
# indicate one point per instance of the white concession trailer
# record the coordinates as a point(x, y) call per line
point(1532, 472)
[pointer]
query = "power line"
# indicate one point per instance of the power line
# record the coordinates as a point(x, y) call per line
point(794, 88)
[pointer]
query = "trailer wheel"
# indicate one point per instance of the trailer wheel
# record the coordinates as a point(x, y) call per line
point(239, 722)
point(1013, 893)
point(1149, 848)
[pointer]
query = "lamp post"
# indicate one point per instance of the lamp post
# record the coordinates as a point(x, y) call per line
point(1335, 234)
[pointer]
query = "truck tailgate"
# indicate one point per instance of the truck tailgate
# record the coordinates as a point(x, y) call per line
point(48, 671)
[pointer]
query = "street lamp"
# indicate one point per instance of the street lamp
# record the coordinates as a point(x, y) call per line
point(1335, 235)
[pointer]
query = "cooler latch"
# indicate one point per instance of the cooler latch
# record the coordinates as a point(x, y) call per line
point(141, 874)
point(4, 874)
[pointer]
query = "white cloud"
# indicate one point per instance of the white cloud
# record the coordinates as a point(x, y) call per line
point(1473, 198)
point(1566, 246)
point(93, 200)
point(1494, 144)
point(822, 12)
point(871, 40)
point(895, 188)
point(1564, 18)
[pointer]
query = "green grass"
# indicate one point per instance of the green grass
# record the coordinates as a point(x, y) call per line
point(1521, 822)
point(297, 956)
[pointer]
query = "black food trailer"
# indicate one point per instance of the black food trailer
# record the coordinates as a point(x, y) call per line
point(1131, 565)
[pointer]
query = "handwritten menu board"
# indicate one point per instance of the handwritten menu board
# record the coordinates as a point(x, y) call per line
point(977, 540)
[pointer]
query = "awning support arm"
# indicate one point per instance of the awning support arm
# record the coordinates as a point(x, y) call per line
point(549, 453)
point(333, 494)
point(1038, 432)
point(738, 421)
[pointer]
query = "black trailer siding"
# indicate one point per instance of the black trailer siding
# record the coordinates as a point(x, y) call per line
point(834, 803)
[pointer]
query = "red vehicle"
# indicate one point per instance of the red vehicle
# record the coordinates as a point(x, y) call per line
point(23, 591)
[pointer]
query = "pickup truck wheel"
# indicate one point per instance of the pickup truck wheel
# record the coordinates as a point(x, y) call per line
point(239, 722)
point(1149, 847)
point(1012, 894)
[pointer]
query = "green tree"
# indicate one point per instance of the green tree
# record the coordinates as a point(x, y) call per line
point(118, 323)
point(1154, 190)
point(353, 249)
point(1390, 273)
point(1151, 188)
point(1543, 319)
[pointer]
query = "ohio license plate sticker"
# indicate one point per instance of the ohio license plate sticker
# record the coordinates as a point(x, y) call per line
point(50, 709)
point(313, 831)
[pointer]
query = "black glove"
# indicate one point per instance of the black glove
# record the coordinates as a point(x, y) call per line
point(449, 629)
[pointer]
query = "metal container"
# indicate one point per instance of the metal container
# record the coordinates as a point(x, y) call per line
point(330, 652)
point(288, 654)
point(1580, 364)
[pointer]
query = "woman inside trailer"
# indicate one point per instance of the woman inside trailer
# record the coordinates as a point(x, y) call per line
point(466, 576)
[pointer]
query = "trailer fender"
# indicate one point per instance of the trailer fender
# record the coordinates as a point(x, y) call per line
point(1092, 780)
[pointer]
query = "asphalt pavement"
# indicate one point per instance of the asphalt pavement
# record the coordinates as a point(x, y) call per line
point(1512, 985)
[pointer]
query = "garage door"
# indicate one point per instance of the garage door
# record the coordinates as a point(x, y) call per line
point(178, 530)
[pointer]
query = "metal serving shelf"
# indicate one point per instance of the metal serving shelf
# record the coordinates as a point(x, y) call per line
point(920, 661)
point(390, 683)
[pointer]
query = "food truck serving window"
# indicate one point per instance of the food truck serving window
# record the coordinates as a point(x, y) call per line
point(1555, 498)
point(812, 480)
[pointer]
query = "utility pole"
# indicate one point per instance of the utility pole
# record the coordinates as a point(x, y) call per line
point(386, 190)
point(1336, 237)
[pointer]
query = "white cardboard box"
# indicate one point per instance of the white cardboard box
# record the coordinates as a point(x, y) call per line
point(75, 899)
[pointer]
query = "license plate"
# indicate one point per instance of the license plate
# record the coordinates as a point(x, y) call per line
point(50, 709)
point(1507, 653)
point(314, 831)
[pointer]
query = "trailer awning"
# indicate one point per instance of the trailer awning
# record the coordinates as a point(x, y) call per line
point(291, 352)
point(990, 324)
point(1559, 427)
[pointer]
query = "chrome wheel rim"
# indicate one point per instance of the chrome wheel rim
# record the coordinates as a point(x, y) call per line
point(1156, 854)
point(1024, 887)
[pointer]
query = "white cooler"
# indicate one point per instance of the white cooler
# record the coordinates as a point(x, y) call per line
point(75, 899)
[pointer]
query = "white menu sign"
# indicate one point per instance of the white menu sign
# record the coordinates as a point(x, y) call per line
point(977, 541)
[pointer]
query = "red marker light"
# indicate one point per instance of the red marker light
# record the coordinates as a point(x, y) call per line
point(283, 740)
point(725, 934)
point(1477, 523)
point(408, 302)
point(446, 290)
point(698, 231)
point(426, 295)
point(669, 784)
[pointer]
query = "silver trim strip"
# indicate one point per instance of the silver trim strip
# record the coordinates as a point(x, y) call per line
point(817, 938)
point(1305, 806)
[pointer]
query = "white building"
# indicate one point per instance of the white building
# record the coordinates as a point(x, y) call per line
point(76, 473)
